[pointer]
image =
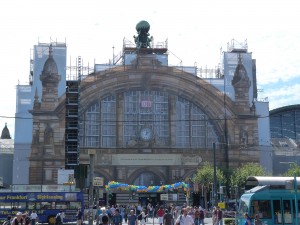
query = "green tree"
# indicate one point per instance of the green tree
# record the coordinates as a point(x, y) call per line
point(205, 177)
point(293, 170)
point(240, 175)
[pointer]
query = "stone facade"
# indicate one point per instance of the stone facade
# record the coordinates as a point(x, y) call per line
point(234, 122)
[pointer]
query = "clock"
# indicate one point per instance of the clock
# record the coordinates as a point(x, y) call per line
point(146, 134)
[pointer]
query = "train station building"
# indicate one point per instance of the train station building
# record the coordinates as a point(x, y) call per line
point(144, 122)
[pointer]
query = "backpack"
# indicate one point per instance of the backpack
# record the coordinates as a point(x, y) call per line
point(140, 217)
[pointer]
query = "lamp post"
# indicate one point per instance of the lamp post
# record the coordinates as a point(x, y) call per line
point(91, 153)
point(215, 176)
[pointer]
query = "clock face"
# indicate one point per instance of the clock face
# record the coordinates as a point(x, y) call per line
point(146, 134)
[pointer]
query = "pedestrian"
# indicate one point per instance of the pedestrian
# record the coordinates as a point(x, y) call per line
point(150, 210)
point(168, 218)
point(132, 218)
point(103, 214)
point(201, 215)
point(257, 220)
point(18, 220)
point(7, 221)
point(214, 215)
point(105, 219)
point(26, 219)
point(160, 214)
point(144, 217)
point(219, 216)
point(34, 217)
point(247, 219)
point(79, 217)
point(117, 218)
point(184, 219)
point(59, 218)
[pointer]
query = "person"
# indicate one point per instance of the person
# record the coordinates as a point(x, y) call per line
point(201, 215)
point(168, 218)
point(103, 214)
point(160, 215)
point(247, 219)
point(144, 217)
point(257, 220)
point(26, 218)
point(219, 216)
point(59, 218)
point(214, 215)
point(117, 218)
point(150, 210)
point(18, 220)
point(7, 221)
point(79, 218)
point(105, 219)
point(98, 213)
point(197, 218)
point(33, 217)
point(184, 219)
point(132, 219)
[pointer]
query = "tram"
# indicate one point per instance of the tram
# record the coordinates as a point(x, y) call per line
point(274, 199)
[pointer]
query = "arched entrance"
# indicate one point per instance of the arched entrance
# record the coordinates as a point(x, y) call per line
point(148, 178)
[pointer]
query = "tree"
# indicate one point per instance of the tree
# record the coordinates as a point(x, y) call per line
point(293, 170)
point(205, 177)
point(240, 175)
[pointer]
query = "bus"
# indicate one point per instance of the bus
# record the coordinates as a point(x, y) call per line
point(47, 201)
point(274, 199)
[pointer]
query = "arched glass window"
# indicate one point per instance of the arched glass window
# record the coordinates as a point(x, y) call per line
point(193, 128)
point(100, 124)
point(146, 109)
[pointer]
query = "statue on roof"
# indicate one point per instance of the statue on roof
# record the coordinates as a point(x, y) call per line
point(143, 40)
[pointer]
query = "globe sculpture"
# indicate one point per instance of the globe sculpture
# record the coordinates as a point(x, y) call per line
point(142, 40)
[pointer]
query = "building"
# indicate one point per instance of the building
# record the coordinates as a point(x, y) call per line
point(285, 137)
point(6, 157)
point(25, 101)
point(146, 122)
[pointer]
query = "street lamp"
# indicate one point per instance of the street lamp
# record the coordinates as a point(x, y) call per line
point(215, 176)
point(91, 153)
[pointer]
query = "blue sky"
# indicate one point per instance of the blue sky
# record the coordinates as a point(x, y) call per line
point(196, 30)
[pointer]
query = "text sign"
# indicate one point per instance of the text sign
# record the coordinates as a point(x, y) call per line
point(164, 197)
point(146, 104)
point(98, 181)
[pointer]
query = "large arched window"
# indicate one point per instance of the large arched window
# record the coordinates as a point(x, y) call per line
point(100, 124)
point(146, 109)
point(193, 128)
point(144, 112)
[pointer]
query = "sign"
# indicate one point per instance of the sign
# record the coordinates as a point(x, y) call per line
point(221, 205)
point(164, 197)
point(146, 104)
point(98, 181)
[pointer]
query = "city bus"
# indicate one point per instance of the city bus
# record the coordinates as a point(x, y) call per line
point(46, 200)
point(273, 199)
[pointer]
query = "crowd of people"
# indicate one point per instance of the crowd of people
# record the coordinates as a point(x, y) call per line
point(22, 219)
point(138, 215)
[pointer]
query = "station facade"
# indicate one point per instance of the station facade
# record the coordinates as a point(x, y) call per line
point(146, 122)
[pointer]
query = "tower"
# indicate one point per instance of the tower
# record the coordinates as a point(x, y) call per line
point(47, 149)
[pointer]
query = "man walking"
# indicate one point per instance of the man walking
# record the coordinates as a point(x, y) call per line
point(184, 219)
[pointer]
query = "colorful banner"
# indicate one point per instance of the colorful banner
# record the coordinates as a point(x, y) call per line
point(112, 185)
